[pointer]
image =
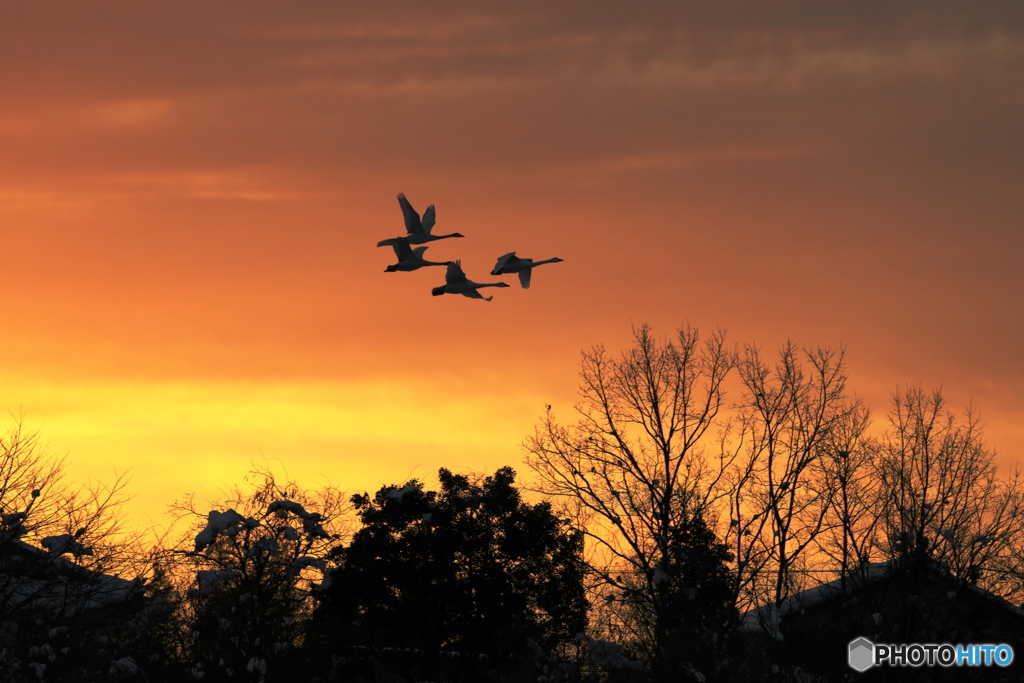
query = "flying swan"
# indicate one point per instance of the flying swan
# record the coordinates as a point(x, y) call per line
point(419, 230)
point(410, 259)
point(456, 283)
point(510, 263)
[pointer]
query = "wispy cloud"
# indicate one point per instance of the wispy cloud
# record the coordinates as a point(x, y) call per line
point(144, 113)
point(678, 159)
point(244, 184)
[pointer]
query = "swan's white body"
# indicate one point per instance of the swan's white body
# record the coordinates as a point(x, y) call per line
point(510, 263)
point(419, 230)
point(457, 283)
point(409, 258)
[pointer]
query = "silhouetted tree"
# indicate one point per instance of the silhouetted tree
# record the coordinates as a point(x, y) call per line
point(639, 447)
point(70, 595)
point(243, 584)
point(656, 447)
point(686, 625)
point(852, 514)
point(470, 569)
point(940, 496)
point(794, 414)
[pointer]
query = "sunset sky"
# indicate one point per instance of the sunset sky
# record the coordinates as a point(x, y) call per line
point(191, 192)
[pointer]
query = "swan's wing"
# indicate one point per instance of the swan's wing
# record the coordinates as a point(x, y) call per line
point(417, 253)
point(402, 250)
point(504, 261)
point(412, 219)
point(454, 274)
point(428, 219)
point(475, 294)
point(524, 277)
point(391, 242)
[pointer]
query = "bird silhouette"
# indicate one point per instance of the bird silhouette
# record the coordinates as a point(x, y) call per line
point(419, 230)
point(410, 259)
point(457, 283)
point(510, 263)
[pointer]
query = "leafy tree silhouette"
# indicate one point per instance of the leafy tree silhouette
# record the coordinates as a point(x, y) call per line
point(471, 569)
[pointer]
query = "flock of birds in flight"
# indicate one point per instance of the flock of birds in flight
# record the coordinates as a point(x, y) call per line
point(456, 282)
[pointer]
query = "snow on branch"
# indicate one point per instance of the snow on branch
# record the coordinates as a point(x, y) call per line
point(65, 543)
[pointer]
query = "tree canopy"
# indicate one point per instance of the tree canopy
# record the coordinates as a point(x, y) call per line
point(471, 568)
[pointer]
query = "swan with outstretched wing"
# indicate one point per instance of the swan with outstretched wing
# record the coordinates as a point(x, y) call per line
point(510, 263)
point(410, 259)
point(419, 230)
point(456, 282)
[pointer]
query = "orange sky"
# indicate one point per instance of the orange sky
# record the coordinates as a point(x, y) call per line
point(190, 194)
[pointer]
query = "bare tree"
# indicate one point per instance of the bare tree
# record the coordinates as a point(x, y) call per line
point(36, 502)
point(942, 497)
point(791, 417)
point(848, 540)
point(70, 577)
point(657, 447)
point(787, 475)
point(641, 462)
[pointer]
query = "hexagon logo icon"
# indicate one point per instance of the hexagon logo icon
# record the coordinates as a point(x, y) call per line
point(861, 654)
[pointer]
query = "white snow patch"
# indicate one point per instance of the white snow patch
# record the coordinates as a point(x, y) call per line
point(398, 494)
point(257, 664)
point(208, 579)
point(659, 577)
point(300, 563)
point(217, 522)
point(283, 507)
point(605, 653)
point(65, 543)
point(125, 666)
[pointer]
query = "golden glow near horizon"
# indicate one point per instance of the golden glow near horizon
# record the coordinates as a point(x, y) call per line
point(190, 195)
point(176, 438)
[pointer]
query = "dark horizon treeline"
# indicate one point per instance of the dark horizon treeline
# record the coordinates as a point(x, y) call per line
point(464, 583)
point(698, 481)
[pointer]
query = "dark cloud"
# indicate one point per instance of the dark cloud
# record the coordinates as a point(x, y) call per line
point(506, 86)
